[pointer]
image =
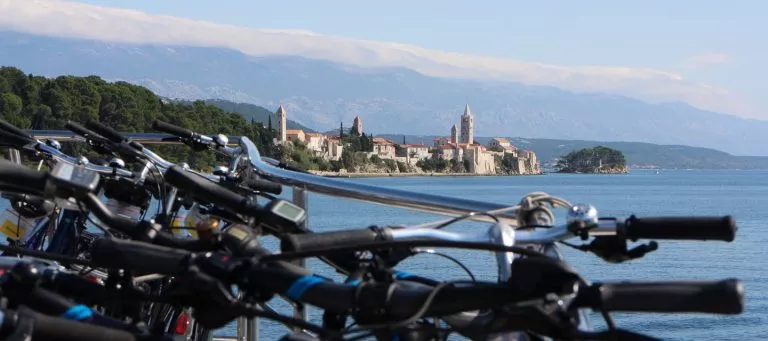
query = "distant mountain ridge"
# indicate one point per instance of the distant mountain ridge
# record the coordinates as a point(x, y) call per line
point(252, 112)
point(321, 94)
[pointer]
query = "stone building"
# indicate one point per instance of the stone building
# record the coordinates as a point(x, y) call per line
point(332, 148)
point(476, 158)
point(499, 142)
point(314, 141)
point(295, 134)
point(384, 148)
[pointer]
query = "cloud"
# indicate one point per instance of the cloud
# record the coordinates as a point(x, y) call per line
point(706, 58)
point(71, 19)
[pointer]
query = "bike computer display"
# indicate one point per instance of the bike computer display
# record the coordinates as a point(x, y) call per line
point(76, 177)
point(284, 214)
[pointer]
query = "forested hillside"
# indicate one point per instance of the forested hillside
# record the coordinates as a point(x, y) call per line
point(255, 113)
point(34, 102)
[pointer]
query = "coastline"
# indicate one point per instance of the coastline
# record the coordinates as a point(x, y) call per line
point(385, 175)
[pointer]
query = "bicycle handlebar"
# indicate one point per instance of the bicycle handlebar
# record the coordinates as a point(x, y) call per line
point(15, 141)
point(679, 228)
point(716, 297)
point(15, 325)
point(138, 256)
point(83, 131)
point(13, 130)
point(105, 131)
point(173, 129)
point(210, 191)
point(404, 298)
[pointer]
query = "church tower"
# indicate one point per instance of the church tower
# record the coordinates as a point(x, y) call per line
point(454, 134)
point(357, 125)
point(282, 119)
point(467, 126)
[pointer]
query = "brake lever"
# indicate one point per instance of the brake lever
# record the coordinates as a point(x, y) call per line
point(614, 249)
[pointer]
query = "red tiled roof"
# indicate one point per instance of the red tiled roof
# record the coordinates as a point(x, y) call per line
point(379, 140)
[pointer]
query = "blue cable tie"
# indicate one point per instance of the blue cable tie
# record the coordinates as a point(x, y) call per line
point(79, 312)
point(301, 285)
point(402, 274)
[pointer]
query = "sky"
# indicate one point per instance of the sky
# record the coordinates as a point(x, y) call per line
point(713, 43)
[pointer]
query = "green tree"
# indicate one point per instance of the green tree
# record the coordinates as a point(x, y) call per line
point(590, 160)
point(10, 109)
point(29, 101)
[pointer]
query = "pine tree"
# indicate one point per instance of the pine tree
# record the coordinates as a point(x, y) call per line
point(269, 123)
point(341, 131)
point(365, 143)
point(403, 139)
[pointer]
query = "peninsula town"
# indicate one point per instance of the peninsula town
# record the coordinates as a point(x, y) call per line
point(355, 153)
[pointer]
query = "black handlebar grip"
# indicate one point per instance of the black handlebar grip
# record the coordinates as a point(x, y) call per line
point(210, 191)
point(172, 129)
point(324, 240)
point(49, 328)
point(105, 131)
point(80, 130)
point(14, 130)
point(138, 256)
point(264, 186)
point(681, 228)
point(715, 297)
point(71, 285)
point(18, 176)
point(9, 139)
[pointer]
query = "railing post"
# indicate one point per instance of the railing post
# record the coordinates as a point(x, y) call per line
point(14, 156)
point(252, 329)
point(301, 199)
point(241, 328)
point(247, 329)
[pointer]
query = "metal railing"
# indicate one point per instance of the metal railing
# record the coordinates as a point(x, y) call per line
point(302, 183)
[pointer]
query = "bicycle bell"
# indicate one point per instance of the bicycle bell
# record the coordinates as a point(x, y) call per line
point(583, 214)
point(117, 163)
point(221, 140)
point(220, 170)
point(82, 160)
point(53, 143)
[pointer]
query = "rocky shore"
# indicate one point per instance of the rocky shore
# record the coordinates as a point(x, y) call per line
point(601, 170)
point(405, 174)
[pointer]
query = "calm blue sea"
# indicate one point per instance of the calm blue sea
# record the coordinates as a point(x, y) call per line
point(743, 194)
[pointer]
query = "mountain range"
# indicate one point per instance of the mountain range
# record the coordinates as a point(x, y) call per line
point(320, 94)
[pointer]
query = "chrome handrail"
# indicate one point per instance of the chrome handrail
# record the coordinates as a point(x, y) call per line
point(375, 194)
